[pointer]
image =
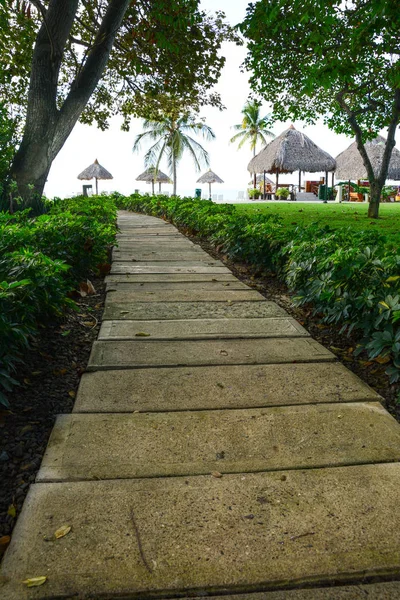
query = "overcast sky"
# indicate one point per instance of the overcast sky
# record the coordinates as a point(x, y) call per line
point(113, 148)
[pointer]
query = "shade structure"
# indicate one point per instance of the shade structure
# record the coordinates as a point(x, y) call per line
point(350, 164)
point(291, 151)
point(152, 176)
point(209, 177)
point(97, 172)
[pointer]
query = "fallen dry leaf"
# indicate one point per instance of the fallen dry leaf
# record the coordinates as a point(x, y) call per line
point(142, 334)
point(382, 360)
point(216, 474)
point(72, 394)
point(35, 581)
point(62, 531)
point(86, 288)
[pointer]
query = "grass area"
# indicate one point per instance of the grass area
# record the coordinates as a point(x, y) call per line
point(352, 215)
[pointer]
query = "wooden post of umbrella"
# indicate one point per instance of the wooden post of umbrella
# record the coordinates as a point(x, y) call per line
point(209, 190)
point(264, 195)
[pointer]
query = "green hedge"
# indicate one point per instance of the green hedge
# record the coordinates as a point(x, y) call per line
point(41, 261)
point(350, 278)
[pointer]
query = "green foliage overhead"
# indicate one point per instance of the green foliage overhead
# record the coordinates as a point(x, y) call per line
point(313, 58)
point(335, 59)
point(163, 48)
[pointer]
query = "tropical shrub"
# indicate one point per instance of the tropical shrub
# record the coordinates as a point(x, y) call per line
point(41, 260)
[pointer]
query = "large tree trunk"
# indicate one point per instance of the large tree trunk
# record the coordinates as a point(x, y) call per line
point(374, 199)
point(47, 127)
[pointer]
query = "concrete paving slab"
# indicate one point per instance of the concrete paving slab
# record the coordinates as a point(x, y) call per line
point(159, 241)
point(151, 233)
point(183, 295)
point(170, 278)
point(206, 535)
point(156, 254)
point(176, 262)
point(181, 287)
point(172, 353)
point(170, 257)
point(389, 590)
point(201, 388)
point(226, 441)
point(201, 329)
point(148, 311)
point(164, 267)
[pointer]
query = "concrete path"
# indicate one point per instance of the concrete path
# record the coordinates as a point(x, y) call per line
point(214, 449)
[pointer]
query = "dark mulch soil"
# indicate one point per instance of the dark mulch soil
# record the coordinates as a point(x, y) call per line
point(341, 345)
point(48, 380)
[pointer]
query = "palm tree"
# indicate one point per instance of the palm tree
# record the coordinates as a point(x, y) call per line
point(171, 137)
point(253, 128)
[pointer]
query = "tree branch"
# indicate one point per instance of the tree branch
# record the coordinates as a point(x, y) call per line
point(351, 117)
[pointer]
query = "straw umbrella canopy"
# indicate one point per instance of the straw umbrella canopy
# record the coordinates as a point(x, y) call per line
point(210, 177)
point(291, 151)
point(350, 164)
point(262, 179)
point(97, 172)
point(152, 176)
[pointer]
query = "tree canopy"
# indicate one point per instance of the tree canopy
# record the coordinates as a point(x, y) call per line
point(339, 60)
point(89, 60)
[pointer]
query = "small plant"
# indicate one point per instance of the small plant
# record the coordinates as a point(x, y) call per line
point(254, 194)
point(282, 193)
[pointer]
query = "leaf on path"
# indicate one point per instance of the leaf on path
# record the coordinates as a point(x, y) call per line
point(12, 511)
point(216, 474)
point(72, 394)
point(35, 581)
point(62, 531)
point(142, 334)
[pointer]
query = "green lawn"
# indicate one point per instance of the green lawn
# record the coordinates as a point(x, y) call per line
point(335, 215)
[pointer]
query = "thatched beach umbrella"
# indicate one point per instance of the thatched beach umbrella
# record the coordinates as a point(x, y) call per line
point(210, 177)
point(152, 176)
point(97, 172)
point(350, 164)
point(262, 179)
point(289, 152)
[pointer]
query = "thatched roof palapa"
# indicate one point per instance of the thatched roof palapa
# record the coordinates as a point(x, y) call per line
point(95, 171)
point(151, 175)
point(210, 177)
point(289, 152)
point(350, 164)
